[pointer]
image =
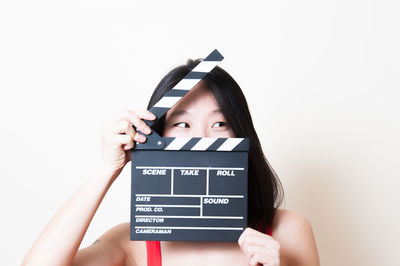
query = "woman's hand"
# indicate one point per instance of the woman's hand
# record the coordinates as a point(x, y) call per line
point(118, 137)
point(259, 248)
point(56, 247)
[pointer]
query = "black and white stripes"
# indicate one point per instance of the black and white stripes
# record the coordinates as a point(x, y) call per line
point(186, 84)
point(207, 144)
point(156, 142)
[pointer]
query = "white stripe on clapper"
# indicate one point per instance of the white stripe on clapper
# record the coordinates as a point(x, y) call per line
point(203, 144)
point(205, 66)
point(167, 102)
point(177, 143)
point(186, 84)
point(229, 144)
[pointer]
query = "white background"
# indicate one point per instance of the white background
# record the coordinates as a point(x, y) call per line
point(321, 79)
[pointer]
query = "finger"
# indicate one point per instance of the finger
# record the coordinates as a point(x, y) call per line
point(129, 130)
point(249, 232)
point(136, 120)
point(125, 127)
point(124, 141)
point(260, 241)
point(243, 235)
point(120, 140)
point(265, 259)
point(250, 251)
point(131, 144)
point(145, 114)
point(128, 146)
point(128, 116)
point(137, 138)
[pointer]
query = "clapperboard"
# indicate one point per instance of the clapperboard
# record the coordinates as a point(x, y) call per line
point(188, 189)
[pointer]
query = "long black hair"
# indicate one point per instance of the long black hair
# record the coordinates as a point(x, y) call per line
point(265, 192)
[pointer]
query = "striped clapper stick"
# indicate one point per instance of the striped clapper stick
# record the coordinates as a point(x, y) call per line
point(189, 189)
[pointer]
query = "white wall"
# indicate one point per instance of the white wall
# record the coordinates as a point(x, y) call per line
point(321, 78)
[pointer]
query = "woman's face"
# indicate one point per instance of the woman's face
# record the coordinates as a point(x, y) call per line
point(197, 115)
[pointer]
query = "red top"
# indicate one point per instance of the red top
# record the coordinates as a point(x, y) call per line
point(154, 251)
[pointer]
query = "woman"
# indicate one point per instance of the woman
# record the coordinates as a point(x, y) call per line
point(215, 107)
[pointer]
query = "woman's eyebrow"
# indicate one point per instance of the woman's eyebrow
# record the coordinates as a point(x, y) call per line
point(179, 112)
point(184, 112)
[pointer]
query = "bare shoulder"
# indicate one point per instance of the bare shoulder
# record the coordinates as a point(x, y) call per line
point(120, 236)
point(113, 248)
point(117, 234)
point(287, 221)
point(296, 237)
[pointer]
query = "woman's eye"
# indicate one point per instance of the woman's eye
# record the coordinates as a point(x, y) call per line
point(219, 124)
point(181, 124)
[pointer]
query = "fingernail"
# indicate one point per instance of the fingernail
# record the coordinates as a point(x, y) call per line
point(142, 138)
point(146, 130)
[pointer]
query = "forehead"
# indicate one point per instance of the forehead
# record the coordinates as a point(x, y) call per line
point(198, 99)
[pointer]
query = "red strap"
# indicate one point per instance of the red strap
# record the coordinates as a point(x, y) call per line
point(268, 230)
point(153, 253)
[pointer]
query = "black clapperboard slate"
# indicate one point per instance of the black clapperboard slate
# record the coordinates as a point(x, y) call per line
point(188, 189)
